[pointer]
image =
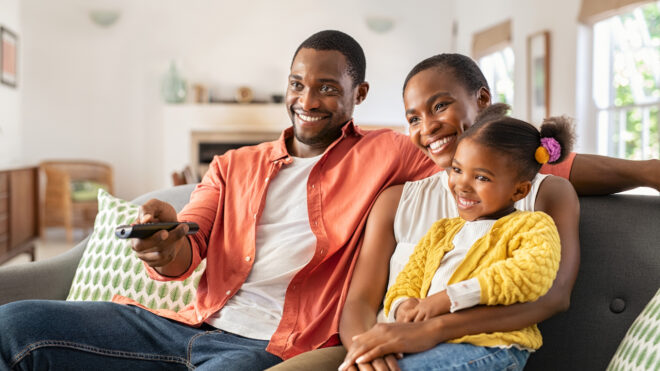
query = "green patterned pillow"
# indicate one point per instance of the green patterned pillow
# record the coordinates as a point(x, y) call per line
point(640, 348)
point(109, 266)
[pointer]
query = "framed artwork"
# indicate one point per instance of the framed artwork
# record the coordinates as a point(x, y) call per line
point(8, 57)
point(538, 76)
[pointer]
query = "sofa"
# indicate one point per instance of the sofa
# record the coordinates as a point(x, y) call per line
point(619, 273)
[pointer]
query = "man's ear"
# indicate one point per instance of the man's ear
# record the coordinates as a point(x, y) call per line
point(483, 98)
point(522, 189)
point(361, 92)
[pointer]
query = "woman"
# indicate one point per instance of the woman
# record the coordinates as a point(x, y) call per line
point(442, 97)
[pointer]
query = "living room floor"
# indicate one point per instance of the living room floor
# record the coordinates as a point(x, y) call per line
point(53, 244)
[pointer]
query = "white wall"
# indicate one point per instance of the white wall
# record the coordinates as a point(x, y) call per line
point(529, 17)
point(94, 93)
point(10, 98)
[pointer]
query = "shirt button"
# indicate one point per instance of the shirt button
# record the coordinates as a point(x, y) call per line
point(199, 317)
point(255, 215)
point(267, 179)
point(312, 186)
point(228, 292)
point(316, 223)
point(322, 251)
point(247, 258)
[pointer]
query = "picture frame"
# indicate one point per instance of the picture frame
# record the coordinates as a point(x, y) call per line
point(538, 76)
point(8, 57)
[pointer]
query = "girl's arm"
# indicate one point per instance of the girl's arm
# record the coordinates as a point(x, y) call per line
point(557, 198)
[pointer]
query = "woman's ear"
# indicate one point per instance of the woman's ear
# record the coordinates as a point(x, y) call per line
point(522, 189)
point(483, 98)
point(361, 92)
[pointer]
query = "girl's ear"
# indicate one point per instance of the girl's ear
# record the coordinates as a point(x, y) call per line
point(521, 190)
point(483, 98)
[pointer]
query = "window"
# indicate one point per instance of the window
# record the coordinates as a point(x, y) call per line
point(626, 83)
point(498, 69)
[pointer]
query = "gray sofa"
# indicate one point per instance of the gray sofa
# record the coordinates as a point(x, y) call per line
point(619, 273)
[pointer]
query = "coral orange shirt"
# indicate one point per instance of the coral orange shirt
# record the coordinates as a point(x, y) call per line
point(341, 190)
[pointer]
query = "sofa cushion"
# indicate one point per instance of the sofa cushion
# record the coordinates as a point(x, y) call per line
point(109, 266)
point(640, 348)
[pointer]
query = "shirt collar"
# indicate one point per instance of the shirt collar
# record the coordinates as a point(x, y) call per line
point(280, 152)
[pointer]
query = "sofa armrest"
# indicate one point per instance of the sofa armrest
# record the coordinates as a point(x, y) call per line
point(46, 279)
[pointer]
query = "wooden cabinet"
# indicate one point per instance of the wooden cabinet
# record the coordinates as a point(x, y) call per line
point(19, 213)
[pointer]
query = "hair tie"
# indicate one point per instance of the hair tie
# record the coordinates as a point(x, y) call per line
point(548, 151)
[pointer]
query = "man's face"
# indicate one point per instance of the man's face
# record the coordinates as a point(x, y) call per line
point(320, 97)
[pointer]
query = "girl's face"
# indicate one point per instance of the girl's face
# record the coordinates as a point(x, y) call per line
point(438, 109)
point(483, 183)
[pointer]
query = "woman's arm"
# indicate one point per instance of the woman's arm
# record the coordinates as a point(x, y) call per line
point(557, 198)
point(370, 277)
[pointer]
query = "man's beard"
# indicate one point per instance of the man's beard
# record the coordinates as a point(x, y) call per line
point(326, 136)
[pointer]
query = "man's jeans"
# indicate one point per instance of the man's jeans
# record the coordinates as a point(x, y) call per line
point(465, 357)
point(58, 335)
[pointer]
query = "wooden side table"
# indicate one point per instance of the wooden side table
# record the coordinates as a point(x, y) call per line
point(19, 211)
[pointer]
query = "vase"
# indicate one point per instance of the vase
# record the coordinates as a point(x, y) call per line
point(174, 86)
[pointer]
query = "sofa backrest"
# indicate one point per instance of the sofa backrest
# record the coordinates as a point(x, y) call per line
point(619, 273)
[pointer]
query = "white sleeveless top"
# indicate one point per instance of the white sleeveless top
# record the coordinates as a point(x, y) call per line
point(422, 203)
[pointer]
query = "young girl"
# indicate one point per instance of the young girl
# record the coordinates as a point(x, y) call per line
point(492, 254)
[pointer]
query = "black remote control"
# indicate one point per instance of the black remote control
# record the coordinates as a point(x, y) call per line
point(148, 229)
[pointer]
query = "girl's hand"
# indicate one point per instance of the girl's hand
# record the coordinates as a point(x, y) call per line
point(432, 306)
point(389, 338)
point(406, 311)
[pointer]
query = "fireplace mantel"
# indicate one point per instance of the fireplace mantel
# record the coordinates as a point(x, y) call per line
point(184, 124)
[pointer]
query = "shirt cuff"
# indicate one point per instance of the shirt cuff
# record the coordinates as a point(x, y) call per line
point(395, 305)
point(465, 294)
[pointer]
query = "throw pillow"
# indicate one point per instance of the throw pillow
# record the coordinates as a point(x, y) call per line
point(640, 348)
point(109, 265)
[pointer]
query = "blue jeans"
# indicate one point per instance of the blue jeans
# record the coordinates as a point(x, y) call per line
point(467, 357)
point(60, 335)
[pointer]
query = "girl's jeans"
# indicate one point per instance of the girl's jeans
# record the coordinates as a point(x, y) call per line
point(465, 357)
point(58, 335)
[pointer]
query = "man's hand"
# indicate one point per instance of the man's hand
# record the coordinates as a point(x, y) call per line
point(166, 251)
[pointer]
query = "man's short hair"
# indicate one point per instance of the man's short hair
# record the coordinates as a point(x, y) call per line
point(343, 43)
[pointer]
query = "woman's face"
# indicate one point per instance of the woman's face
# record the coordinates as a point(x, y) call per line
point(438, 109)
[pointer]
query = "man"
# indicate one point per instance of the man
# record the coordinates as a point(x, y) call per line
point(280, 224)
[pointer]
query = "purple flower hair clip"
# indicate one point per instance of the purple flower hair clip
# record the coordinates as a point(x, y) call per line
point(553, 147)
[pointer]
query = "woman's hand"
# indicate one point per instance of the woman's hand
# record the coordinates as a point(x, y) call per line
point(386, 363)
point(390, 338)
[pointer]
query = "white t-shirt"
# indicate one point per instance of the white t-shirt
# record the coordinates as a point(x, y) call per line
point(284, 245)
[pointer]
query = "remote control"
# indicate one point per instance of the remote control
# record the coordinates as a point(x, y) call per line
point(148, 229)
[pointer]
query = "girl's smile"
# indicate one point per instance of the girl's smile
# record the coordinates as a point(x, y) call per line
point(483, 183)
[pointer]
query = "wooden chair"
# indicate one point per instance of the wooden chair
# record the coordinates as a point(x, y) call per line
point(58, 207)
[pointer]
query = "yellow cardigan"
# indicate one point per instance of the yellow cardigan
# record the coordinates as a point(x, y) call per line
point(516, 261)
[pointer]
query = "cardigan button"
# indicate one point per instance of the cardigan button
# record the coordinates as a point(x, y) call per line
point(228, 292)
point(617, 305)
point(247, 258)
